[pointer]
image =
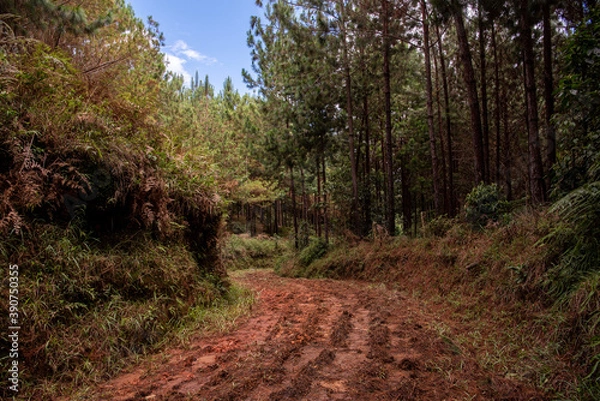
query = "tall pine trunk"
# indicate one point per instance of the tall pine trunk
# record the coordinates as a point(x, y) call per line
point(350, 113)
point(450, 194)
point(407, 202)
point(318, 202)
point(430, 127)
point(506, 146)
point(536, 173)
point(473, 98)
point(484, 103)
point(548, 94)
point(440, 128)
point(367, 181)
point(325, 215)
point(294, 214)
point(390, 217)
point(497, 118)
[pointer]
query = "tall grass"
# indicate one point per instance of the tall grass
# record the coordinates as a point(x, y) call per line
point(574, 274)
point(243, 252)
point(88, 308)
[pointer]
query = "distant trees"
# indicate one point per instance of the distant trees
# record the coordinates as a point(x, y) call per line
point(408, 82)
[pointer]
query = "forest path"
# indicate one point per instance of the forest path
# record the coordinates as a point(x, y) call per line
point(321, 340)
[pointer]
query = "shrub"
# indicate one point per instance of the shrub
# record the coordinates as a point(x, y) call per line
point(241, 252)
point(129, 294)
point(576, 240)
point(483, 204)
point(115, 234)
point(316, 249)
point(438, 227)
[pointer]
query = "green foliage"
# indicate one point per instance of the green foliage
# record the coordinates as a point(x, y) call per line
point(438, 227)
point(256, 191)
point(315, 250)
point(243, 252)
point(301, 263)
point(579, 98)
point(574, 275)
point(576, 240)
point(107, 190)
point(584, 310)
point(50, 20)
point(484, 204)
point(74, 292)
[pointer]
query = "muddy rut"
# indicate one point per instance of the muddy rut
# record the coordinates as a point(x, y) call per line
point(321, 340)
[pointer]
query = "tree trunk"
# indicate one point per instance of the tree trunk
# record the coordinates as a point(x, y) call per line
point(450, 193)
point(406, 196)
point(484, 103)
point(473, 99)
point(440, 128)
point(548, 94)
point(350, 113)
point(388, 156)
point(430, 127)
point(318, 208)
point(325, 216)
point(305, 199)
point(536, 173)
point(293, 190)
point(275, 220)
point(380, 189)
point(506, 145)
point(497, 117)
point(367, 181)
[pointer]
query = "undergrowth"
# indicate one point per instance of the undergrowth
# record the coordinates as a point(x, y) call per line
point(244, 252)
point(89, 307)
point(218, 316)
point(301, 262)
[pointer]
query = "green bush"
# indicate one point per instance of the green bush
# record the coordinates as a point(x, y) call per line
point(576, 240)
point(573, 277)
point(240, 252)
point(438, 227)
point(316, 249)
point(76, 291)
point(484, 204)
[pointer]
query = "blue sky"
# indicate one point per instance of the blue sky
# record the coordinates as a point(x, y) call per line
point(205, 36)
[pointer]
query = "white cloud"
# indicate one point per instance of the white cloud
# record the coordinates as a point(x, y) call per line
point(179, 54)
point(180, 48)
point(176, 65)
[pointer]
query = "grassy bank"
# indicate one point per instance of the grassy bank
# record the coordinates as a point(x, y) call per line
point(219, 316)
point(88, 309)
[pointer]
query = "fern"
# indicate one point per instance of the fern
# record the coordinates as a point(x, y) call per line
point(577, 239)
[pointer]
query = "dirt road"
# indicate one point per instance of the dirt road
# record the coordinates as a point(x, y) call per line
point(321, 340)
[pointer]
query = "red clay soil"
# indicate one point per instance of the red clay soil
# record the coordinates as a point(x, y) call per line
point(320, 340)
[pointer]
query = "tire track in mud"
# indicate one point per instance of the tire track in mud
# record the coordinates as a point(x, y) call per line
point(318, 340)
point(302, 383)
point(380, 375)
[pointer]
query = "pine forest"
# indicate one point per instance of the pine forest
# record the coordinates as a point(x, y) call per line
point(432, 166)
